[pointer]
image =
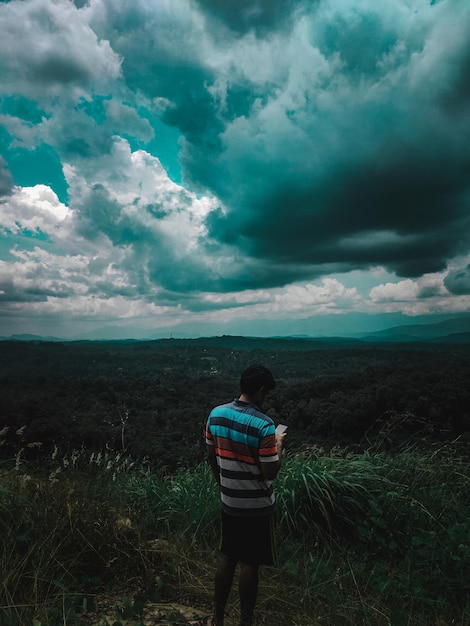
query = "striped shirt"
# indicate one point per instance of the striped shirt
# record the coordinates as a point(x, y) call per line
point(243, 437)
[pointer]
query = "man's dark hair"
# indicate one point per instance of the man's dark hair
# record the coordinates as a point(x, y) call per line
point(255, 377)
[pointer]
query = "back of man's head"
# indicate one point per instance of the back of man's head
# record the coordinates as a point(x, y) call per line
point(255, 377)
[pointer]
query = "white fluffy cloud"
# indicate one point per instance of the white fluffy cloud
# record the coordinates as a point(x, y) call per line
point(424, 296)
point(34, 209)
point(127, 229)
point(47, 51)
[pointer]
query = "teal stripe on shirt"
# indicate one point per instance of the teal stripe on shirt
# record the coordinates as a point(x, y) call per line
point(234, 435)
point(242, 417)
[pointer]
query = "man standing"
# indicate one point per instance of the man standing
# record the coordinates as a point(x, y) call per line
point(244, 453)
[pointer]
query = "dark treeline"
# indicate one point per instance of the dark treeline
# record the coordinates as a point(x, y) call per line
point(152, 398)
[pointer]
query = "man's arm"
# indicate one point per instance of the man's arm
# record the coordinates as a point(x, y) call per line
point(271, 470)
point(212, 459)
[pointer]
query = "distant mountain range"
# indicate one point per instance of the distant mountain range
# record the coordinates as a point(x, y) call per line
point(453, 330)
point(456, 330)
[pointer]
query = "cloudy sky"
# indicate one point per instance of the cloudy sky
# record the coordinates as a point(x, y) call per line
point(233, 166)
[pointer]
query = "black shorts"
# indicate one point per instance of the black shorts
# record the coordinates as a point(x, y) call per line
point(250, 540)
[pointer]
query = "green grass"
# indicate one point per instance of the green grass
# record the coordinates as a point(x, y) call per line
point(372, 539)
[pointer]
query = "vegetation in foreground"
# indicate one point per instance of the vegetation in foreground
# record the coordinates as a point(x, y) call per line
point(372, 539)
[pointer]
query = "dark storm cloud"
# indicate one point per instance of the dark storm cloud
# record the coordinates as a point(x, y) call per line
point(241, 16)
point(334, 133)
point(458, 281)
point(98, 213)
point(407, 212)
point(159, 46)
point(361, 39)
point(392, 191)
point(38, 292)
point(6, 180)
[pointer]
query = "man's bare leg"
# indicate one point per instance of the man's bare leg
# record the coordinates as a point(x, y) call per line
point(248, 591)
point(223, 584)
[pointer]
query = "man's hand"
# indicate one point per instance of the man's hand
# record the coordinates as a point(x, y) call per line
point(279, 443)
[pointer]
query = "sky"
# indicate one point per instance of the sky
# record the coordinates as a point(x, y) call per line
point(256, 167)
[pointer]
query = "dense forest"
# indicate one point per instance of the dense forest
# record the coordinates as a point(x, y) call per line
point(152, 398)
